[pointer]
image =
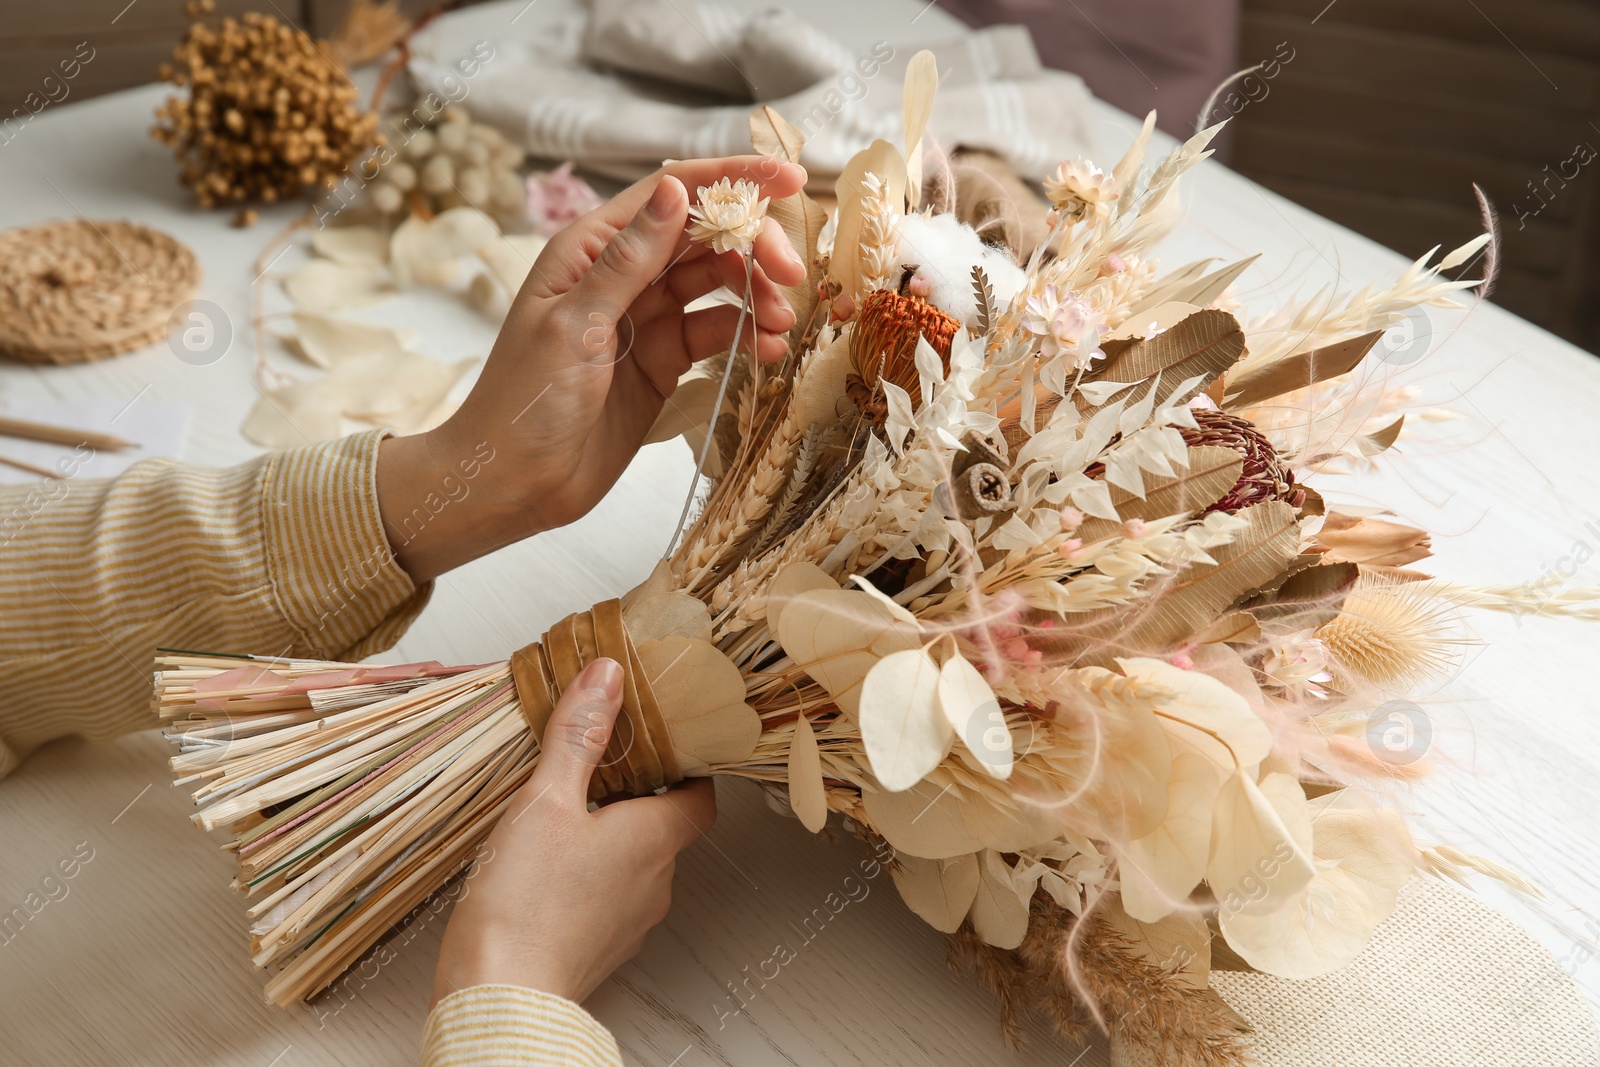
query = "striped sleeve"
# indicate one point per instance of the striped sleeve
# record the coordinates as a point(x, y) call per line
point(284, 555)
point(496, 1025)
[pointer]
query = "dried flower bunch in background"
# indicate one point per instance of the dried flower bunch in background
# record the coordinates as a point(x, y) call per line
point(267, 114)
point(450, 162)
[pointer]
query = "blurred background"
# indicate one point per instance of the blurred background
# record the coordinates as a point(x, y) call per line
point(1379, 114)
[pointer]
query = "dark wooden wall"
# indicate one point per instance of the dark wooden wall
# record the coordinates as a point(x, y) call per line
point(1391, 109)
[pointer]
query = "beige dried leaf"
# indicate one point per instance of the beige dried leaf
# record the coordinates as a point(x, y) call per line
point(797, 578)
point(773, 135)
point(921, 85)
point(328, 341)
point(1364, 856)
point(1157, 319)
point(940, 892)
point(1206, 714)
point(510, 259)
point(687, 411)
point(352, 244)
point(1265, 381)
point(837, 635)
point(1260, 844)
point(323, 285)
point(807, 794)
point(924, 821)
point(294, 416)
point(663, 613)
point(701, 695)
point(969, 705)
point(428, 252)
point(903, 730)
point(998, 915)
point(1160, 870)
point(822, 382)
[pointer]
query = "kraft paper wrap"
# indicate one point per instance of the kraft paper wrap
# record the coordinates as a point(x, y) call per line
point(639, 758)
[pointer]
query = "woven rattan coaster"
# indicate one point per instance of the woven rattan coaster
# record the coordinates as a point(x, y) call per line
point(74, 290)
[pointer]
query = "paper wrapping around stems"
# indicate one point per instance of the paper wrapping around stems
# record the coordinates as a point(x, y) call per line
point(639, 757)
point(683, 709)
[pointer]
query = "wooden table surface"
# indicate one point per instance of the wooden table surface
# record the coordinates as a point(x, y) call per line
point(142, 960)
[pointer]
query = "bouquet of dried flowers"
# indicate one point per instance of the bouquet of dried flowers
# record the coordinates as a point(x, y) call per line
point(1010, 565)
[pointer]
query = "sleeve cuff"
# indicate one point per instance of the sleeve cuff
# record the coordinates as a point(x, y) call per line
point(335, 577)
point(505, 1024)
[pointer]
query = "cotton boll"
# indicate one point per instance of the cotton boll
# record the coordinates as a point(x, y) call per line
point(946, 252)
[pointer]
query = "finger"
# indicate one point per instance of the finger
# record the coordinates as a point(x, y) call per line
point(689, 281)
point(684, 813)
point(575, 737)
point(776, 179)
point(777, 256)
point(708, 331)
point(637, 254)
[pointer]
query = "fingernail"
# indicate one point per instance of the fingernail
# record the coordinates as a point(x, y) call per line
point(664, 199)
point(791, 255)
point(604, 675)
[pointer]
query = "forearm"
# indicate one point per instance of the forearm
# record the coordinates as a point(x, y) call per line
point(283, 555)
point(442, 502)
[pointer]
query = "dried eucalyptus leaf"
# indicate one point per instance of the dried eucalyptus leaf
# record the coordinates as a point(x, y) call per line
point(360, 245)
point(807, 794)
point(940, 892)
point(323, 285)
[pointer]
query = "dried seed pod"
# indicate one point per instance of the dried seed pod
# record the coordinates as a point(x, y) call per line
point(982, 489)
point(438, 175)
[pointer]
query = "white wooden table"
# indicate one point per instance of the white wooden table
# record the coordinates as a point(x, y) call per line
point(142, 960)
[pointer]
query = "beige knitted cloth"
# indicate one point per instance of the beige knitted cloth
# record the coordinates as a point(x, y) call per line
point(1446, 982)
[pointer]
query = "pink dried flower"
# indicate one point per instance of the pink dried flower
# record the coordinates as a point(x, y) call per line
point(559, 198)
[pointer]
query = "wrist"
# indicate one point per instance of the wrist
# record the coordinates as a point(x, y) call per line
point(490, 960)
point(440, 501)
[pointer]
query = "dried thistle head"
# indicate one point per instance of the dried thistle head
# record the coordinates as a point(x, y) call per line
point(1386, 633)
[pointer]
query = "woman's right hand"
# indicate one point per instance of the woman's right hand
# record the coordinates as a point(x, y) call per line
point(566, 895)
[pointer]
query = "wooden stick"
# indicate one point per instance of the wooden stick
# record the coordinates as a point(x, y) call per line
point(61, 435)
point(43, 472)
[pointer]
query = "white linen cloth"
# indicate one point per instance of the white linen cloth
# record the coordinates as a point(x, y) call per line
point(543, 87)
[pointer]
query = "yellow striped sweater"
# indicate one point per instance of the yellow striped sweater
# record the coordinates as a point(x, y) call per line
point(285, 554)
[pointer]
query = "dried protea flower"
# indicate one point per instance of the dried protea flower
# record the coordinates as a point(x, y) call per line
point(883, 346)
point(1263, 477)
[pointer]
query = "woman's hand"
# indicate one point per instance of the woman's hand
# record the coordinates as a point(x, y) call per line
point(566, 895)
point(593, 346)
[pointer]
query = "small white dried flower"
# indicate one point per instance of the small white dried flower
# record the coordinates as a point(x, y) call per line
point(728, 215)
point(1066, 326)
point(1078, 189)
